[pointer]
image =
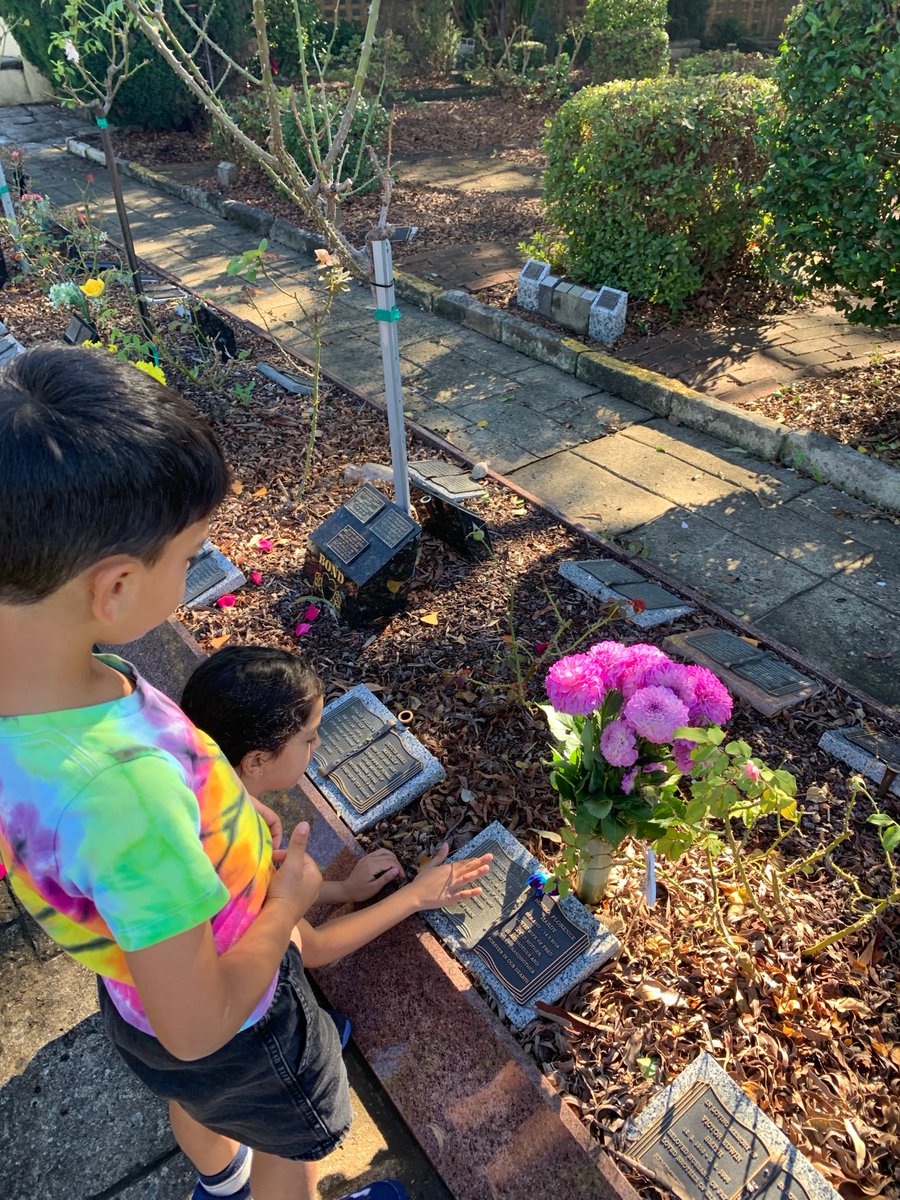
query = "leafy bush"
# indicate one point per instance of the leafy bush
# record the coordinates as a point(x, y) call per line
point(629, 54)
point(833, 184)
point(606, 16)
point(154, 98)
point(725, 62)
point(527, 56)
point(653, 182)
point(727, 31)
point(687, 18)
point(369, 127)
point(281, 25)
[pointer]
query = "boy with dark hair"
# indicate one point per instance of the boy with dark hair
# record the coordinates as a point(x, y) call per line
point(124, 830)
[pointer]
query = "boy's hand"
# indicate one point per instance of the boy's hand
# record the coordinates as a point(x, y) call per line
point(276, 829)
point(440, 884)
point(371, 874)
point(299, 879)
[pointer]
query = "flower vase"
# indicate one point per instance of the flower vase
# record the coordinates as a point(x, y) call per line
point(593, 871)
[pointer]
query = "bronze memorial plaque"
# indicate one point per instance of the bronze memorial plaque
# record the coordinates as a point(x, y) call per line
point(885, 749)
point(365, 504)
point(723, 647)
point(392, 527)
point(525, 939)
point(363, 756)
point(701, 1146)
point(347, 544)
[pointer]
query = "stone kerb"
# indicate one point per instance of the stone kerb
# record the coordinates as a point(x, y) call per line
point(813, 454)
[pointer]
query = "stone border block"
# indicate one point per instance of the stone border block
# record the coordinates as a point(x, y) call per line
point(257, 220)
point(829, 461)
point(642, 387)
point(760, 435)
point(431, 773)
point(528, 285)
point(295, 238)
point(416, 290)
point(604, 323)
point(540, 343)
point(451, 304)
point(603, 945)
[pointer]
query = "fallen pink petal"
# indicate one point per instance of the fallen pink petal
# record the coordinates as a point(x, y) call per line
point(228, 601)
point(311, 613)
point(256, 577)
point(303, 627)
point(540, 647)
point(265, 543)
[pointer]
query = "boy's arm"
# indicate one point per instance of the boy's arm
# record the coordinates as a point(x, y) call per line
point(436, 886)
point(197, 1000)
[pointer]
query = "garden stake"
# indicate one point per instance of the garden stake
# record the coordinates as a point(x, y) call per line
point(387, 315)
point(9, 210)
point(126, 233)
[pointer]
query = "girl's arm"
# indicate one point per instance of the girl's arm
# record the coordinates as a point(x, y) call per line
point(369, 876)
point(436, 886)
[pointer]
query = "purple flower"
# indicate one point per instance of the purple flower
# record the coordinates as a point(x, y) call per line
point(574, 685)
point(711, 704)
point(634, 670)
point(607, 657)
point(628, 780)
point(674, 676)
point(618, 745)
point(655, 713)
point(681, 751)
point(651, 767)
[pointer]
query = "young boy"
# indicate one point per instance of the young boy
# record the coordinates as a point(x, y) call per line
point(124, 830)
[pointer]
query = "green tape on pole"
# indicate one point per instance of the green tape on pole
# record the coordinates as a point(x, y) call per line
point(101, 122)
point(387, 314)
point(4, 191)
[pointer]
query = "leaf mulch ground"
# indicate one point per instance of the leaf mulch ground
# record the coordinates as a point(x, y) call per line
point(815, 1042)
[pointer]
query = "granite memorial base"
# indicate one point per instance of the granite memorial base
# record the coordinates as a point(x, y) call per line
point(368, 765)
point(606, 322)
point(523, 947)
point(210, 575)
point(706, 1137)
point(766, 682)
point(436, 489)
point(362, 558)
point(875, 756)
point(608, 579)
point(530, 278)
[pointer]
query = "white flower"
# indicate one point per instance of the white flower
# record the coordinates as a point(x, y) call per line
point(70, 51)
point(64, 295)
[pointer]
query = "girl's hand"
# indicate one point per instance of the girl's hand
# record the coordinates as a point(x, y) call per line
point(272, 819)
point(440, 884)
point(371, 874)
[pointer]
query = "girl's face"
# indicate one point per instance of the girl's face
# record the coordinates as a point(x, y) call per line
point(261, 772)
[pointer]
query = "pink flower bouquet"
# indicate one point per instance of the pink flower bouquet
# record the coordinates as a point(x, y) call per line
point(614, 714)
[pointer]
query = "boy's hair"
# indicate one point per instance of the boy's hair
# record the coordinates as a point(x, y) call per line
point(251, 698)
point(96, 458)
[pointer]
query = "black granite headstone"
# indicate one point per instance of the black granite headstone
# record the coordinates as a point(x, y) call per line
point(362, 558)
point(525, 939)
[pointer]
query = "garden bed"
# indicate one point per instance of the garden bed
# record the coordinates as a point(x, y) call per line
point(815, 1041)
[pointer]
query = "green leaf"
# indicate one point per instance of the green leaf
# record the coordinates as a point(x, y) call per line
point(890, 838)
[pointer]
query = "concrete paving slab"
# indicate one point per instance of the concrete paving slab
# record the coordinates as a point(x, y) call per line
point(510, 420)
point(658, 472)
point(772, 483)
point(845, 628)
point(597, 415)
point(556, 388)
point(453, 384)
point(597, 499)
point(504, 456)
point(439, 417)
point(738, 574)
point(424, 351)
point(841, 515)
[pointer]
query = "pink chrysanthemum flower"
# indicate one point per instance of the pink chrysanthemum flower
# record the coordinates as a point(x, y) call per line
point(655, 713)
point(674, 676)
point(628, 780)
point(681, 752)
point(711, 704)
point(633, 670)
point(607, 657)
point(574, 685)
point(618, 745)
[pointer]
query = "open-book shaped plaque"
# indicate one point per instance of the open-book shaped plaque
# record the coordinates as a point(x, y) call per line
point(363, 756)
point(525, 940)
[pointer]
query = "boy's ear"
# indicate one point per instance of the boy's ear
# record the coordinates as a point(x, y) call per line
point(112, 587)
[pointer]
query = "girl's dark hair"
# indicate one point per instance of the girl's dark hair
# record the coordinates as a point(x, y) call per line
point(251, 698)
point(96, 458)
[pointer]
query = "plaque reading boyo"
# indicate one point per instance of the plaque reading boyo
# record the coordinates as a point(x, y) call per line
point(708, 1140)
point(368, 765)
point(361, 559)
point(522, 946)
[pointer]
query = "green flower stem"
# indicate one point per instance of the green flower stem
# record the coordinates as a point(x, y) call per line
point(739, 861)
point(716, 904)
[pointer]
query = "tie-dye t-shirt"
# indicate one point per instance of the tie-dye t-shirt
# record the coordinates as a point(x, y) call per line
point(121, 825)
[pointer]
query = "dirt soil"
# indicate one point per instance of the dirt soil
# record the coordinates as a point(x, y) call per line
point(814, 1040)
point(857, 407)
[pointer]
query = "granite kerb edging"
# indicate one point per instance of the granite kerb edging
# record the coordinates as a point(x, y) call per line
point(813, 454)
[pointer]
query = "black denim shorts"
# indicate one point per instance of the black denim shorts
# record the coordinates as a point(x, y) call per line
point(279, 1087)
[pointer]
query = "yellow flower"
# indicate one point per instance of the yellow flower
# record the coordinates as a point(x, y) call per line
point(150, 368)
point(93, 289)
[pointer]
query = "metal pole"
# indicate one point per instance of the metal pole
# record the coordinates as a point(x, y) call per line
point(387, 315)
point(125, 226)
point(10, 212)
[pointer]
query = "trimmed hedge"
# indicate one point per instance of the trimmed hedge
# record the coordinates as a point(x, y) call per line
point(653, 182)
point(605, 16)
point(835, 177)
point(725, 62)
point(629, 54)
point(154, 98)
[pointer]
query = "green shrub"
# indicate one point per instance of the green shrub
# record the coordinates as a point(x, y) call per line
point(606, 16)
point(687, 18)
point(653, 183)
point(154, 98)
point(629, 54)
point(725, 62)
point(835, 176)
point(281, 26)
point(528, 56)
point(369, 126)
point(727, 31)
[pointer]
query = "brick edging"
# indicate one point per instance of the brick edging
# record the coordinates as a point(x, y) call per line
point(813, 454)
